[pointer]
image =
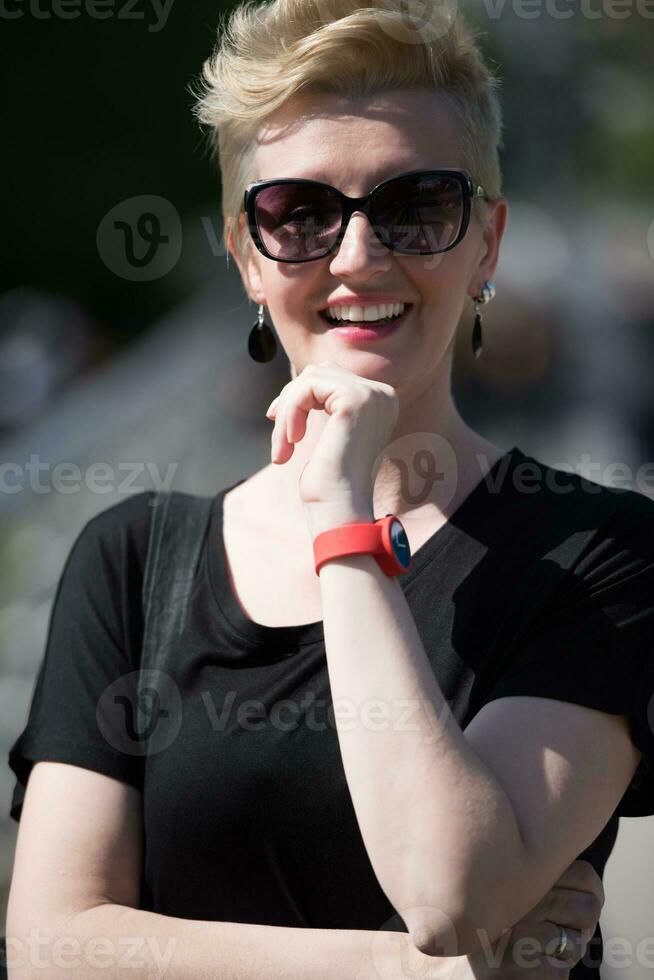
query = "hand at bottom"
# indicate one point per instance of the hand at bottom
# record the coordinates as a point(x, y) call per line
point(575, 901)
point(523, 952)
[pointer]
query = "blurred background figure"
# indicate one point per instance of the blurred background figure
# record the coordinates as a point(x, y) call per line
point(45, 342)
point(123, 331)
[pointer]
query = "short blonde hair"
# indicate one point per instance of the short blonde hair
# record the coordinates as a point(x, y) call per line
point(270, 52)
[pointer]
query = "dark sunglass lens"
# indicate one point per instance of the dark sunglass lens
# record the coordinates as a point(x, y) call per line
point(421, 214)
point(297, 221)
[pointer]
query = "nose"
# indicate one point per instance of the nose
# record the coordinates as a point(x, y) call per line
point(360, 253)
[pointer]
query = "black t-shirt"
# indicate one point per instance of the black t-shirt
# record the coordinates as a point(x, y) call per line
point(541, 583)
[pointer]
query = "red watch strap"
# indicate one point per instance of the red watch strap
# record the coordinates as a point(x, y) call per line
point(362, 538)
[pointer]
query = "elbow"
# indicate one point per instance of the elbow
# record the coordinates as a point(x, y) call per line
point(444, 938)
point(456, 928)
point(480, 905)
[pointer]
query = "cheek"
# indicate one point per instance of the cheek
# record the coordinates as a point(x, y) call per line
point(296, 296)
point(444, 280)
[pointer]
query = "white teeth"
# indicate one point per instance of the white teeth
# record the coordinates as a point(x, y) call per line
point(369, 314)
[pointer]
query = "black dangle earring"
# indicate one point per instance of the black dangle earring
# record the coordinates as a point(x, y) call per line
point(487, 294)
point(262, 345)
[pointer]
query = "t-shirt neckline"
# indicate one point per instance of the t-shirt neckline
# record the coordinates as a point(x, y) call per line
point(294, 636)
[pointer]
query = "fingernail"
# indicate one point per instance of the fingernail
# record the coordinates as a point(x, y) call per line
point(270, 409)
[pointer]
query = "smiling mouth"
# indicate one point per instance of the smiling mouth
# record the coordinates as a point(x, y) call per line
point(366, 323)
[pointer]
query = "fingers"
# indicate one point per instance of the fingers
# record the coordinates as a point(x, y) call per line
point(338, 392)
point(291, 409)
point(575, 909)
point(281, 448)
point(534, 939)
point(581, 875)
point(272, 408)
point(290, 413)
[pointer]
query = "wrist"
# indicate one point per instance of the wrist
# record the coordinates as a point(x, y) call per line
point(325, 516)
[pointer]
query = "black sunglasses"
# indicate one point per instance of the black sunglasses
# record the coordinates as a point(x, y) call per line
point(421, 212)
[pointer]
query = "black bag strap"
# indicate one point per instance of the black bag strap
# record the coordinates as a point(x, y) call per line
point(178, 526)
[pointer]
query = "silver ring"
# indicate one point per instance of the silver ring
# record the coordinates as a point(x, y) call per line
point(562, 943)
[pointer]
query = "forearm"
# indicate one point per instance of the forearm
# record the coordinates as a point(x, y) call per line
point(440, 831)
point(116, 942)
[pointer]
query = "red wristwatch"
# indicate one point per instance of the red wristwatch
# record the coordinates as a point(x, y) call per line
point(384, 538)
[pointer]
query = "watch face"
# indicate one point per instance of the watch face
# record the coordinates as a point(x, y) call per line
point(400, 544)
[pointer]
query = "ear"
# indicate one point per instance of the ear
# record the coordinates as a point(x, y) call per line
point(247, 266)
point(494, 224)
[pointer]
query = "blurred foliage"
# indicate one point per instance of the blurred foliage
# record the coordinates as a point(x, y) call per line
point(98, 110)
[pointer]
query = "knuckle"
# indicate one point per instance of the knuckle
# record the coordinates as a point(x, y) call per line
point(592, 907)
point(590, 876)
point(346, 410)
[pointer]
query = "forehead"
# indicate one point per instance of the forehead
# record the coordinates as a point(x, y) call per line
point(355, 144)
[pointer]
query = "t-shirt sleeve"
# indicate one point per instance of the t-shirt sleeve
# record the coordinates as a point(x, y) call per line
point(92, 650)
point(593, 643)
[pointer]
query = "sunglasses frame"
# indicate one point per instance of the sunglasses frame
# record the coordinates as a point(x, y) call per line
point(469, 187)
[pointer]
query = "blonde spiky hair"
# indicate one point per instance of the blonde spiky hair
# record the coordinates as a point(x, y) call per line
point(268, 53)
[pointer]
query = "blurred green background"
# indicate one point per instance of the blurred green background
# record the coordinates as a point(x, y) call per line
point(96, 111)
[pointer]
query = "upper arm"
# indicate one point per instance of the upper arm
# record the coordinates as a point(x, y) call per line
point(79, 844)
point(564, 767)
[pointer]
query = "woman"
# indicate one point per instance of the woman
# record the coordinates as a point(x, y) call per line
point(483, 620)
